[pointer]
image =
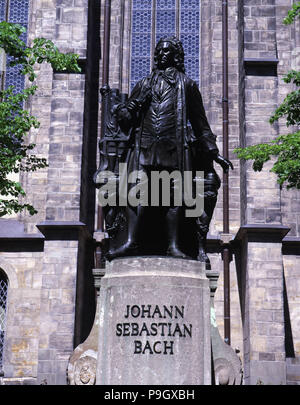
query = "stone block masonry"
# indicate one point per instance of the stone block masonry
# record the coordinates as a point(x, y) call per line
point(57, 105)
point(42, 277)
point(39, 327)
point(65, 137)
point(266, 37)
point(23, 313)
point(261, 286)
point(57, 311)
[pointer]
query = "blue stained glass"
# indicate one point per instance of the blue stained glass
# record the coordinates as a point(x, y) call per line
point(3, 307)
point(193, 4)
point(140, 45)
point(192, 68)
point(140, 40)
point(142, 21)
point(189, 35)
point(14, 78)
point(142, 4)
point(2, 10)
point(18, 11)
point(190, 44)
point(141, 69)
point(165, 25)
point(165, 21)
point(189, 21)
point(18, 14)
point(166, 4)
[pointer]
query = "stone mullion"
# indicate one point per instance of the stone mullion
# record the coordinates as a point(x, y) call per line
point(126, 48)
point(115, 51)
point(153, 31)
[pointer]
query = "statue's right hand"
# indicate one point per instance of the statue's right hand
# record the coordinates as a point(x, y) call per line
point(132, 105)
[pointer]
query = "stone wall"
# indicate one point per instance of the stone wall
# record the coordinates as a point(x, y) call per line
point(263, 318)
point(261, 99)
point(288, 54)
point(57, 307)
point(23, 313)
point(43, 270)
point(40, 311)
point(264, 37)
point(65, 23)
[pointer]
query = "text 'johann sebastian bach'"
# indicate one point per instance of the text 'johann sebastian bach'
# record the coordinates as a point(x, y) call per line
point(162, 322)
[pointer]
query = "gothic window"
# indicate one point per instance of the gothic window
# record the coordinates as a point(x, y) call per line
point(3, 304)
point(141, 39)
point(152, 19)
point(14, 11)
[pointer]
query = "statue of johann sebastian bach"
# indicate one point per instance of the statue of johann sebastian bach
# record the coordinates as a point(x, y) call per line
point(155, 119)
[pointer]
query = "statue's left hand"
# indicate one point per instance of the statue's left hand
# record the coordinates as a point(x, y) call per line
point(225, 163)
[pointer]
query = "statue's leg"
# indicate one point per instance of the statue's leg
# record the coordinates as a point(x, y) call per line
point(130, 246)
point(173, 217)
point(202, 226)
point(203, 222)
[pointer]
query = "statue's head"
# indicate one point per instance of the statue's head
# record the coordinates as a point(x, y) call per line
point(169, 53)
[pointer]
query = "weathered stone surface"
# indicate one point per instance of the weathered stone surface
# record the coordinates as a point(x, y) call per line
point(154, 323)
point(226, 363)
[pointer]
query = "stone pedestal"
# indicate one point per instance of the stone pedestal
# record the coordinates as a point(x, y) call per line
point(154, 323)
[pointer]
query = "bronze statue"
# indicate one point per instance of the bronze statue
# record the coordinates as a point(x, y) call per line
point(162, 126)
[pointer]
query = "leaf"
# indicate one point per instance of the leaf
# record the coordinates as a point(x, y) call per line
point(287, 165)
point(292, 14)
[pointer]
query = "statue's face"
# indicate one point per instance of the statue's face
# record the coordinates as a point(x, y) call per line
point(165, 55)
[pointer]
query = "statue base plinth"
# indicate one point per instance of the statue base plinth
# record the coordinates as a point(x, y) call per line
point(154, 323)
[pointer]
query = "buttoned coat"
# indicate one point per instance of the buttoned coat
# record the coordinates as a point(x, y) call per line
point(192, 130)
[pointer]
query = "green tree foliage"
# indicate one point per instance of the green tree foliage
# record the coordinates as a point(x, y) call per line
point(285, 148)
point(292, 14)
point(16, 155)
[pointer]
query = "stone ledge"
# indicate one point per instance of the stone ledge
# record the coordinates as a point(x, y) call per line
point(261, 233)
point(19, 381)
point(291, 245)
point(214, 244)
point(63, 230)
point(13, 238)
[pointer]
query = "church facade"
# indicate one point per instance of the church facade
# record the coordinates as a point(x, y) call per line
point(48, 261)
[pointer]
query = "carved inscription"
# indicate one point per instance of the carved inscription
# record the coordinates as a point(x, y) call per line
point(159, 324)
